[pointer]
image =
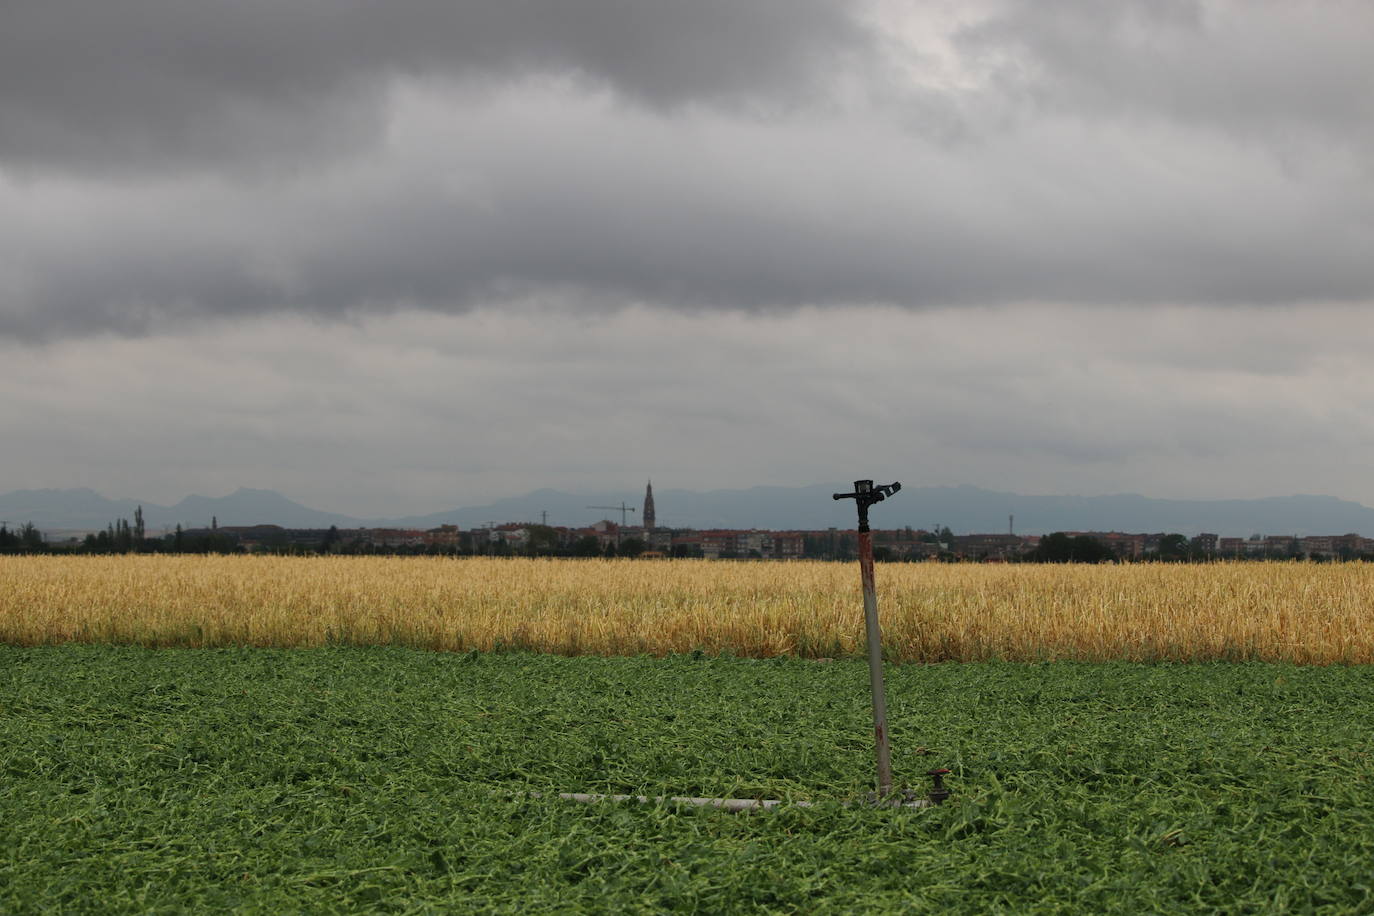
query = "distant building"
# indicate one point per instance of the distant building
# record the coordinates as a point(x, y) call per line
point(986, 546)
point(1127, 546)
point(443, 536)
point(1317, 545)
point(1350, 545)
point(1278, 545)
point(393, 537)
point(1231, 547)
point(648, 514)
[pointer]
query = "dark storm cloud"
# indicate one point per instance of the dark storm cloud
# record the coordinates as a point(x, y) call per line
point(526, 196)
point(151, 84)
point(451, 156)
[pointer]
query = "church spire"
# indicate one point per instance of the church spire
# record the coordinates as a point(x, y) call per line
point(647, 516)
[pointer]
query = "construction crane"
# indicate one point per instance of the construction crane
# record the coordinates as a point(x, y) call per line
point(623, 510)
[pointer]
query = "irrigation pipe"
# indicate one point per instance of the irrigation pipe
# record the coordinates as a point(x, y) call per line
point(731, 804)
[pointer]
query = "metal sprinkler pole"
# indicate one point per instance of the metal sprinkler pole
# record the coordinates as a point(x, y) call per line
point(866, 494)
point(875, 663)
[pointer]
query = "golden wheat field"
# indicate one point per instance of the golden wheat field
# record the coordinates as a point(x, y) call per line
point(1306, 613)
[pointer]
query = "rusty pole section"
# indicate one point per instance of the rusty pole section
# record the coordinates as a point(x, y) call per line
point(866, 494)
point(875, 664)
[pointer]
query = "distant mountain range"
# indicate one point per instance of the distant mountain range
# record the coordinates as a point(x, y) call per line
point(84, 509)
point(963, 509)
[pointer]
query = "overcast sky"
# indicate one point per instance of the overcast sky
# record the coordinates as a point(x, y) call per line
point(396, 257)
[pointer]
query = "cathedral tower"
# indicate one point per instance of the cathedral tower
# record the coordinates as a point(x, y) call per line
point(648, 515)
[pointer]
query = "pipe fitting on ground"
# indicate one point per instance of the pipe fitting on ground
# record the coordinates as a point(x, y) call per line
point(938, 792)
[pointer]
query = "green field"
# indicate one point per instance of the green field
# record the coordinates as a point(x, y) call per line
point(136, 780)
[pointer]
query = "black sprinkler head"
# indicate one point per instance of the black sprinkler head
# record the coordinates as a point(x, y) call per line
point(865, 494)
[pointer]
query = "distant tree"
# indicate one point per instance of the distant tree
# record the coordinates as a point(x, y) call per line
point(1061, 548)
point(1173, 548)
point(587, 546)
point(30, 538)
point(177, 539)
point(846, 547)
point(1053, 548)
point(610, 550)
point(138, 527)
point(120, 537)
point(541, 540)
point(329, 543)
point(631, 547)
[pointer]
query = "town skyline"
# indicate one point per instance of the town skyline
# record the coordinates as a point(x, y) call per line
point(963, 509)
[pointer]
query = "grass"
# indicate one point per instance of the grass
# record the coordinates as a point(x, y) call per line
point(1296, 612)
point(336, 780)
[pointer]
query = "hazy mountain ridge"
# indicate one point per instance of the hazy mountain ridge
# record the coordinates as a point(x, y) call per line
point(963, 509)
point(84, 509)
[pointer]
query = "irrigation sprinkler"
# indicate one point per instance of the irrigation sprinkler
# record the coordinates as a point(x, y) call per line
point(866, 494)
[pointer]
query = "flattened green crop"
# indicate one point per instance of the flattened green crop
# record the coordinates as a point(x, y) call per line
point(391, 780)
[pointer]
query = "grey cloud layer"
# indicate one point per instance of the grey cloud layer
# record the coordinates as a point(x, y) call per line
point(1280, 74)
point(450, 156)
point(142, 85)
point(417, 409)
point(522, 198)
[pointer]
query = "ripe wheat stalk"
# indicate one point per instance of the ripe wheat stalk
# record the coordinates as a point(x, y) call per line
point(1297, 612)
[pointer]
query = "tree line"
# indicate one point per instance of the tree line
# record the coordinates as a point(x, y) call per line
point(1172, 548)
point(122, 536)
